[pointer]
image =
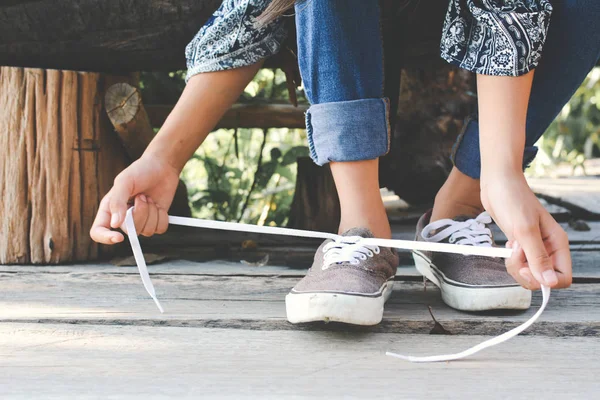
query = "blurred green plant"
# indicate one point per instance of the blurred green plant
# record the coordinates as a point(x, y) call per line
point(245, 175)
point(574, 136)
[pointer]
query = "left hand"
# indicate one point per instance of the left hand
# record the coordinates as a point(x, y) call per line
point(541, 254)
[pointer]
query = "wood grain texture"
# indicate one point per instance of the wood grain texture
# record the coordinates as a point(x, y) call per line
point(101, 362)
point(86, 296)
point(127, 114)
point(54, 130)
point(581, 195)
point(100, 35)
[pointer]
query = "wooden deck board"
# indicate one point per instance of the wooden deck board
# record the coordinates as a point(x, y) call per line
point(586, 265)
point(84, 362)
point(583, 193)
point(83, 296)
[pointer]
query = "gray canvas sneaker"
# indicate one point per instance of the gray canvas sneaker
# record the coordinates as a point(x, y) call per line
point(468, 283)
point(347, 282)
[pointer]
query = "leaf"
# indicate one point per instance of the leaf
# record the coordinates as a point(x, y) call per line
point(286, 173)
point(437, 329)
point(293, 154)
point(264, 175)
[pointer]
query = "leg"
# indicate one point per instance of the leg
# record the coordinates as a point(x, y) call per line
point(571, 50)
point(341, 61)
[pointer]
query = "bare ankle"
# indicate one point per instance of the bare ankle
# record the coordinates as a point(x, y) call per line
point(460, 195)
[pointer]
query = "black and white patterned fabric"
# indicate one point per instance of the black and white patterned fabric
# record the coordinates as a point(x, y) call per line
point(495, 37)
point(232, 39)
point(490, 37)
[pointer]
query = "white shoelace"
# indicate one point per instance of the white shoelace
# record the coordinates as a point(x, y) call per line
point(472, 232)
point(352, 247)
point(348, 250)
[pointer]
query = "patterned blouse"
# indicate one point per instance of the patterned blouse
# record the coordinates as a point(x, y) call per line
point(490, 37)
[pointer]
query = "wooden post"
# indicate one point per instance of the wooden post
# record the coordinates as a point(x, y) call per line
point(60, 157)
point(126, 111)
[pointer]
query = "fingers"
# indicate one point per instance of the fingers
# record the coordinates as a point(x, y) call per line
point(121, 192)
point(517, 266)
point(557, 244)
point(100, 231)
point(163, 221)
point(529, 236)
point(148, 217)
point(152, 221)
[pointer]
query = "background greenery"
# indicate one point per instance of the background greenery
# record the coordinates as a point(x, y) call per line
point(248, 175)
point(245, 175)
point(574, 136)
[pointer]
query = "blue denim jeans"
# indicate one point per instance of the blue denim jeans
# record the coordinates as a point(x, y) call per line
point(340, 54)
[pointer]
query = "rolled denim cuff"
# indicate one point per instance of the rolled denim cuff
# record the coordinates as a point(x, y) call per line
point(348, 130)
point(467, 157)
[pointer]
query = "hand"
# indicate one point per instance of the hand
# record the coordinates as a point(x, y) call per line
point(541, 254)
point(150, 183)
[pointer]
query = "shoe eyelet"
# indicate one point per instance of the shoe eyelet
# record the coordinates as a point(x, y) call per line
point(377, 250)
point(355, 262)
point(363, 257)
point(370, 254)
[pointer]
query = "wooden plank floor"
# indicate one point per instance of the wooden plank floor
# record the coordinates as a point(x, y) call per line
point(91, 331)
point(57, 361)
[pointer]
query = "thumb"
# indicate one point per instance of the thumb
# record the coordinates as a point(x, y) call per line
point(121, 192)
point(540, 263)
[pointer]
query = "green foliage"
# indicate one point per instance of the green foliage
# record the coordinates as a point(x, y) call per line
point(574, 135)
point(245, 175)
point(253, 186)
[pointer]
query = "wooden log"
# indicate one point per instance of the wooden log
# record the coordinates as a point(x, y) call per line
point(60, 158)
point(316, 205)
point(126, 112)
point(263, 116)
point(100, 35)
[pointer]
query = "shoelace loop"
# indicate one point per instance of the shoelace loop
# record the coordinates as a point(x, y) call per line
point(347, 249)
point(472, 232)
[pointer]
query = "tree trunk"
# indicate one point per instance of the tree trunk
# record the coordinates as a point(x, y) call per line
point(316, 204)
point(100, 35)
point(60, 158)
point(433, 105)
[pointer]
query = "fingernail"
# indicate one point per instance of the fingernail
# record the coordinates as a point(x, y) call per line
point(515, 245)
point(150, 200)
point(114, 220)
point(115, 239)
point(143, 198)
point(524, 272)
point(550, 277)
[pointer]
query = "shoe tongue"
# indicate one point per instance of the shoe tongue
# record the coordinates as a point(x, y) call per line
point(362, 232)
point(463, 218)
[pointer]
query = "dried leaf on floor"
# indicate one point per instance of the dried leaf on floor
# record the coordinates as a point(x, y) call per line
point(261, 263)
point(437, 329)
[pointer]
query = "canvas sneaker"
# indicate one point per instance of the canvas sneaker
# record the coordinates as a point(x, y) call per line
point(347, 282)
point(468, 283)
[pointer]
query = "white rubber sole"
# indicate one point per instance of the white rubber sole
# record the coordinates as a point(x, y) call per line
point(337, 307)
point(473, 298)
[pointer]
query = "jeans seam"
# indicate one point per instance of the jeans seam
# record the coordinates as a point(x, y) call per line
point(309, 136)
point(388, 127)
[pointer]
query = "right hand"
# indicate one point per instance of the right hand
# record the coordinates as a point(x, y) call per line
point(150, 183)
